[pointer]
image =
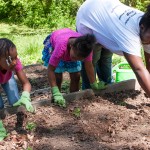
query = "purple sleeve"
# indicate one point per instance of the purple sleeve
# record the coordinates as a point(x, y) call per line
point(18, 66)
point(89, 58)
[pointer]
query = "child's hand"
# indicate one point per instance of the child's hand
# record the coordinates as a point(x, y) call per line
point(57, 97)
point(3, 132)
point(26, 101)
point(98, 86)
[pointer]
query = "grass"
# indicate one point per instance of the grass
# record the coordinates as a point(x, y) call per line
point(29, 42)
point(117, 59)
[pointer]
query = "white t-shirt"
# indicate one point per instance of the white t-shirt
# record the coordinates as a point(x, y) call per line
point(115, 25)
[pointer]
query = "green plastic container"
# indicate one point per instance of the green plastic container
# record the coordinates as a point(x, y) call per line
point(123, 72)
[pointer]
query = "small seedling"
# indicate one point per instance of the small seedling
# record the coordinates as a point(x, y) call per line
point(77, 112)
point(122, 103)
point(33, 81)
point(29, 148)
point(30, 126)
point(65, 86)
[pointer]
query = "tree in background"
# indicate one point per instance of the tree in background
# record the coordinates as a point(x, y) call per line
point(48, 13)
point(140, 4)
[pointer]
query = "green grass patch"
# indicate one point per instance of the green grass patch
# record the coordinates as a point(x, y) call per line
point(116, 59)
point(29, 42)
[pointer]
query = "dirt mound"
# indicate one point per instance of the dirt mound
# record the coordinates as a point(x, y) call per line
point(115, 121)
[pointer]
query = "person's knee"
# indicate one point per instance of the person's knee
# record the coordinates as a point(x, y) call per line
point(11, 90)
point(96, 53)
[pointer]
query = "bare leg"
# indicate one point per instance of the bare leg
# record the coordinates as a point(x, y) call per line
point(58, 80)
point(75, 80)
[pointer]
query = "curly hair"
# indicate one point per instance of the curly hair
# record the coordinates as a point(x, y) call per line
point(84, 45)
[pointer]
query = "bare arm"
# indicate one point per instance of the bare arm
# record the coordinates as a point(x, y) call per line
point(90, 71)
point(140, 71)
point(147, 60)
point(24, 81)
point(51, 75)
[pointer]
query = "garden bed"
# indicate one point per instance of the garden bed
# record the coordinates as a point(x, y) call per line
point(114, 121)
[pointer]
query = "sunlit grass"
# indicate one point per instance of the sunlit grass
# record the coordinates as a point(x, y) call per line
point(117, 59)
point(29, 42)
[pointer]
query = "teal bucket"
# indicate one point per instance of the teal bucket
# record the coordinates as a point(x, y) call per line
point(123, 72)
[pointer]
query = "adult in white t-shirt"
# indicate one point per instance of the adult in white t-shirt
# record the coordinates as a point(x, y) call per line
point(121, 29)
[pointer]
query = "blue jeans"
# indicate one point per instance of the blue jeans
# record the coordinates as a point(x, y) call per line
point(102, 62)
point(11, 90)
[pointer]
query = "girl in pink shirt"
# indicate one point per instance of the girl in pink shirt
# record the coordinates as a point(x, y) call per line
point(63, 50)
point(9, 63)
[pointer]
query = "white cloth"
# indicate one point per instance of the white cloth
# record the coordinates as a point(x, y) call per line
point(146, 48)
point(115, 25)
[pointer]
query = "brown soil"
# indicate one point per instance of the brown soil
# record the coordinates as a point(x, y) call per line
point(116, 121)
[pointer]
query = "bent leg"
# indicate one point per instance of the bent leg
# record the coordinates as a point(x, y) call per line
point(11, 90)
point(85, 80)
point(105, 66)
point(58, 80)
point(96, 57)
point(75, 81)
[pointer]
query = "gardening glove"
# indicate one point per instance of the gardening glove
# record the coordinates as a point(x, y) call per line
point(3, 132)
point(98, 86)
point(26, 101)
point(57, 97)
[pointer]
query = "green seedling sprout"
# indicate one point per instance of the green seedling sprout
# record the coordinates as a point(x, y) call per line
point(29, 148)
point(30, 126)
point(77, 112)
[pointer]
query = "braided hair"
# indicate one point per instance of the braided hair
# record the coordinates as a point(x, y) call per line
point(5, 46)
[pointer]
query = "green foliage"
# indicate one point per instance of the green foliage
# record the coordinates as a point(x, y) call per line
point(53, 14)
point(29, 45)
point(30, 126)
point(29, 148)
point(65, 86)
point(139, 4)
point(40, 13)
point(117, 59)
point(77, 112)
point(29, 48)
point(45, 14)
point(29, 42)
point(122, 103)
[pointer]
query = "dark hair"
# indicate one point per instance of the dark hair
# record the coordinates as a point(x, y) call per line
point(5, 46)
point(145, 20)
point(84, 45)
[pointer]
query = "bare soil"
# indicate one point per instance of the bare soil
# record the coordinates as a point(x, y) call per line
point(115, 121)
